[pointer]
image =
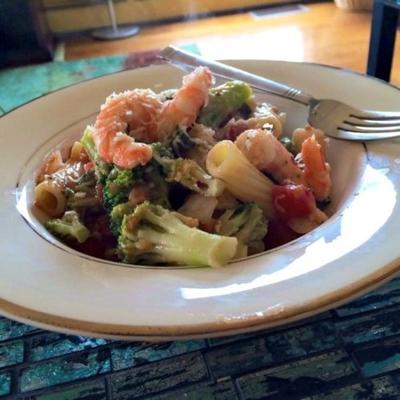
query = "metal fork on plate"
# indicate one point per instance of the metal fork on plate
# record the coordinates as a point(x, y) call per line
point(335, 118)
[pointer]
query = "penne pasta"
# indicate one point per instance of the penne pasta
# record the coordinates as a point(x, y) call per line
point(51, 164)
point(268, 117)
point(77, 151)
point(50, 198)
point(226, 162)
point(272, 121)
point(199, 207)
point(301, 134)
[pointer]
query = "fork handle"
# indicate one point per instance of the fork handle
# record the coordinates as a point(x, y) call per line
point(188, 61)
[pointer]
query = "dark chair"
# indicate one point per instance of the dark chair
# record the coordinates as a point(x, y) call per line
point(24, 35)
point(385, 17)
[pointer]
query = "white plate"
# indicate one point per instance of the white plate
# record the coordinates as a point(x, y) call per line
point(45, 284)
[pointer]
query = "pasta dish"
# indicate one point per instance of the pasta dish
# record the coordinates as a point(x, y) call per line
point(196, 176)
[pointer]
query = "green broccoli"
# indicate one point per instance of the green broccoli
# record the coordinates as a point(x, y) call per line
point(181, 143)
point(69, 226)
point(83, 193)
point(158, 186)
point(120, 182)
point(102, 168)
point(223, 102)
point(247, 224)
point(117, 187)
point(188, 173)
point(117, 215)
point(154, 235)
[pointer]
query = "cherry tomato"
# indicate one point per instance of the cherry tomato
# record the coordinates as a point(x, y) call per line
point(292, 201)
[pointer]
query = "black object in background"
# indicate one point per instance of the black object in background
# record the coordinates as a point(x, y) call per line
point(24, 34)
point(385, 19)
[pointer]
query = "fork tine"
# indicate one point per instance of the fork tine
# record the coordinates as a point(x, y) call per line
point(369, 129)
point(376, 115)
point(372, 122)
point(352, 135)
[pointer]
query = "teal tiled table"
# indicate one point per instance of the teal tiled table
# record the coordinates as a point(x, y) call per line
point(349, 353)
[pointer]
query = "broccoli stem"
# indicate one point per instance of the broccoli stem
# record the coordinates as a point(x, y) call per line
point(152, 234)
point(102, 167)
point(88, 143)
point(69, 226)
point(192, 246)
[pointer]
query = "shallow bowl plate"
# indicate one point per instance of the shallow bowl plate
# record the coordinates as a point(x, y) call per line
point(44, 283)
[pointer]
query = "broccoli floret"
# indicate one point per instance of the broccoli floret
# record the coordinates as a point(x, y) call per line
point(83, 193)
point(158, 187)
point(247, 223)
point(120, 182)
point(161, 150)
point(117, 187)
point(68, 227)
point(182, 143)
point(154, 235)
point(117, 215)
point(188, 173)
point(102, 168)
point(223, 102)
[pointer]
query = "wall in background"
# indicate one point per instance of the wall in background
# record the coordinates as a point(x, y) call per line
point(79, 15)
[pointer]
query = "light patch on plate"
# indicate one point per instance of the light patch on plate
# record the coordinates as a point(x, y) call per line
point(358, 224)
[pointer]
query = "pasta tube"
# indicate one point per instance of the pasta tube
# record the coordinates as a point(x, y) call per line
point(50, 198)
point(51, 164)
point(199, 207)
point(226, 162)
point(77, 152)
point(265, 115)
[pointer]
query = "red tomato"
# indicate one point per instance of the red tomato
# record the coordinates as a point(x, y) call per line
point(292, 201)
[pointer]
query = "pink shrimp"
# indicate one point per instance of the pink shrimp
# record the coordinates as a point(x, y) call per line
point(316, 169)
point(184, 108)
point(268, 154)
point(136, 111)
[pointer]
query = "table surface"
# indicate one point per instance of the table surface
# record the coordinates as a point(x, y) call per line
point(349, 353)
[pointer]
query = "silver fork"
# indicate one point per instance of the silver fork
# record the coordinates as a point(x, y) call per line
point(335, 118)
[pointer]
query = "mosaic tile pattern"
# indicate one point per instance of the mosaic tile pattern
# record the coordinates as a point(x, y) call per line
point(350, 353)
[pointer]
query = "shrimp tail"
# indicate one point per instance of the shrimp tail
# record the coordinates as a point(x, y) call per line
point(185, 107)
point(316, 169)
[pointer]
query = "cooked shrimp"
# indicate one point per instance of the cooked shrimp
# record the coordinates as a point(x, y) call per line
point(268, 154)
point(316, 169)
point(135, 112)
point(139, 114)
point(184, 108)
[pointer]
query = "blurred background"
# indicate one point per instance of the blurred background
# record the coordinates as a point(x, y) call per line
point(50, 32)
